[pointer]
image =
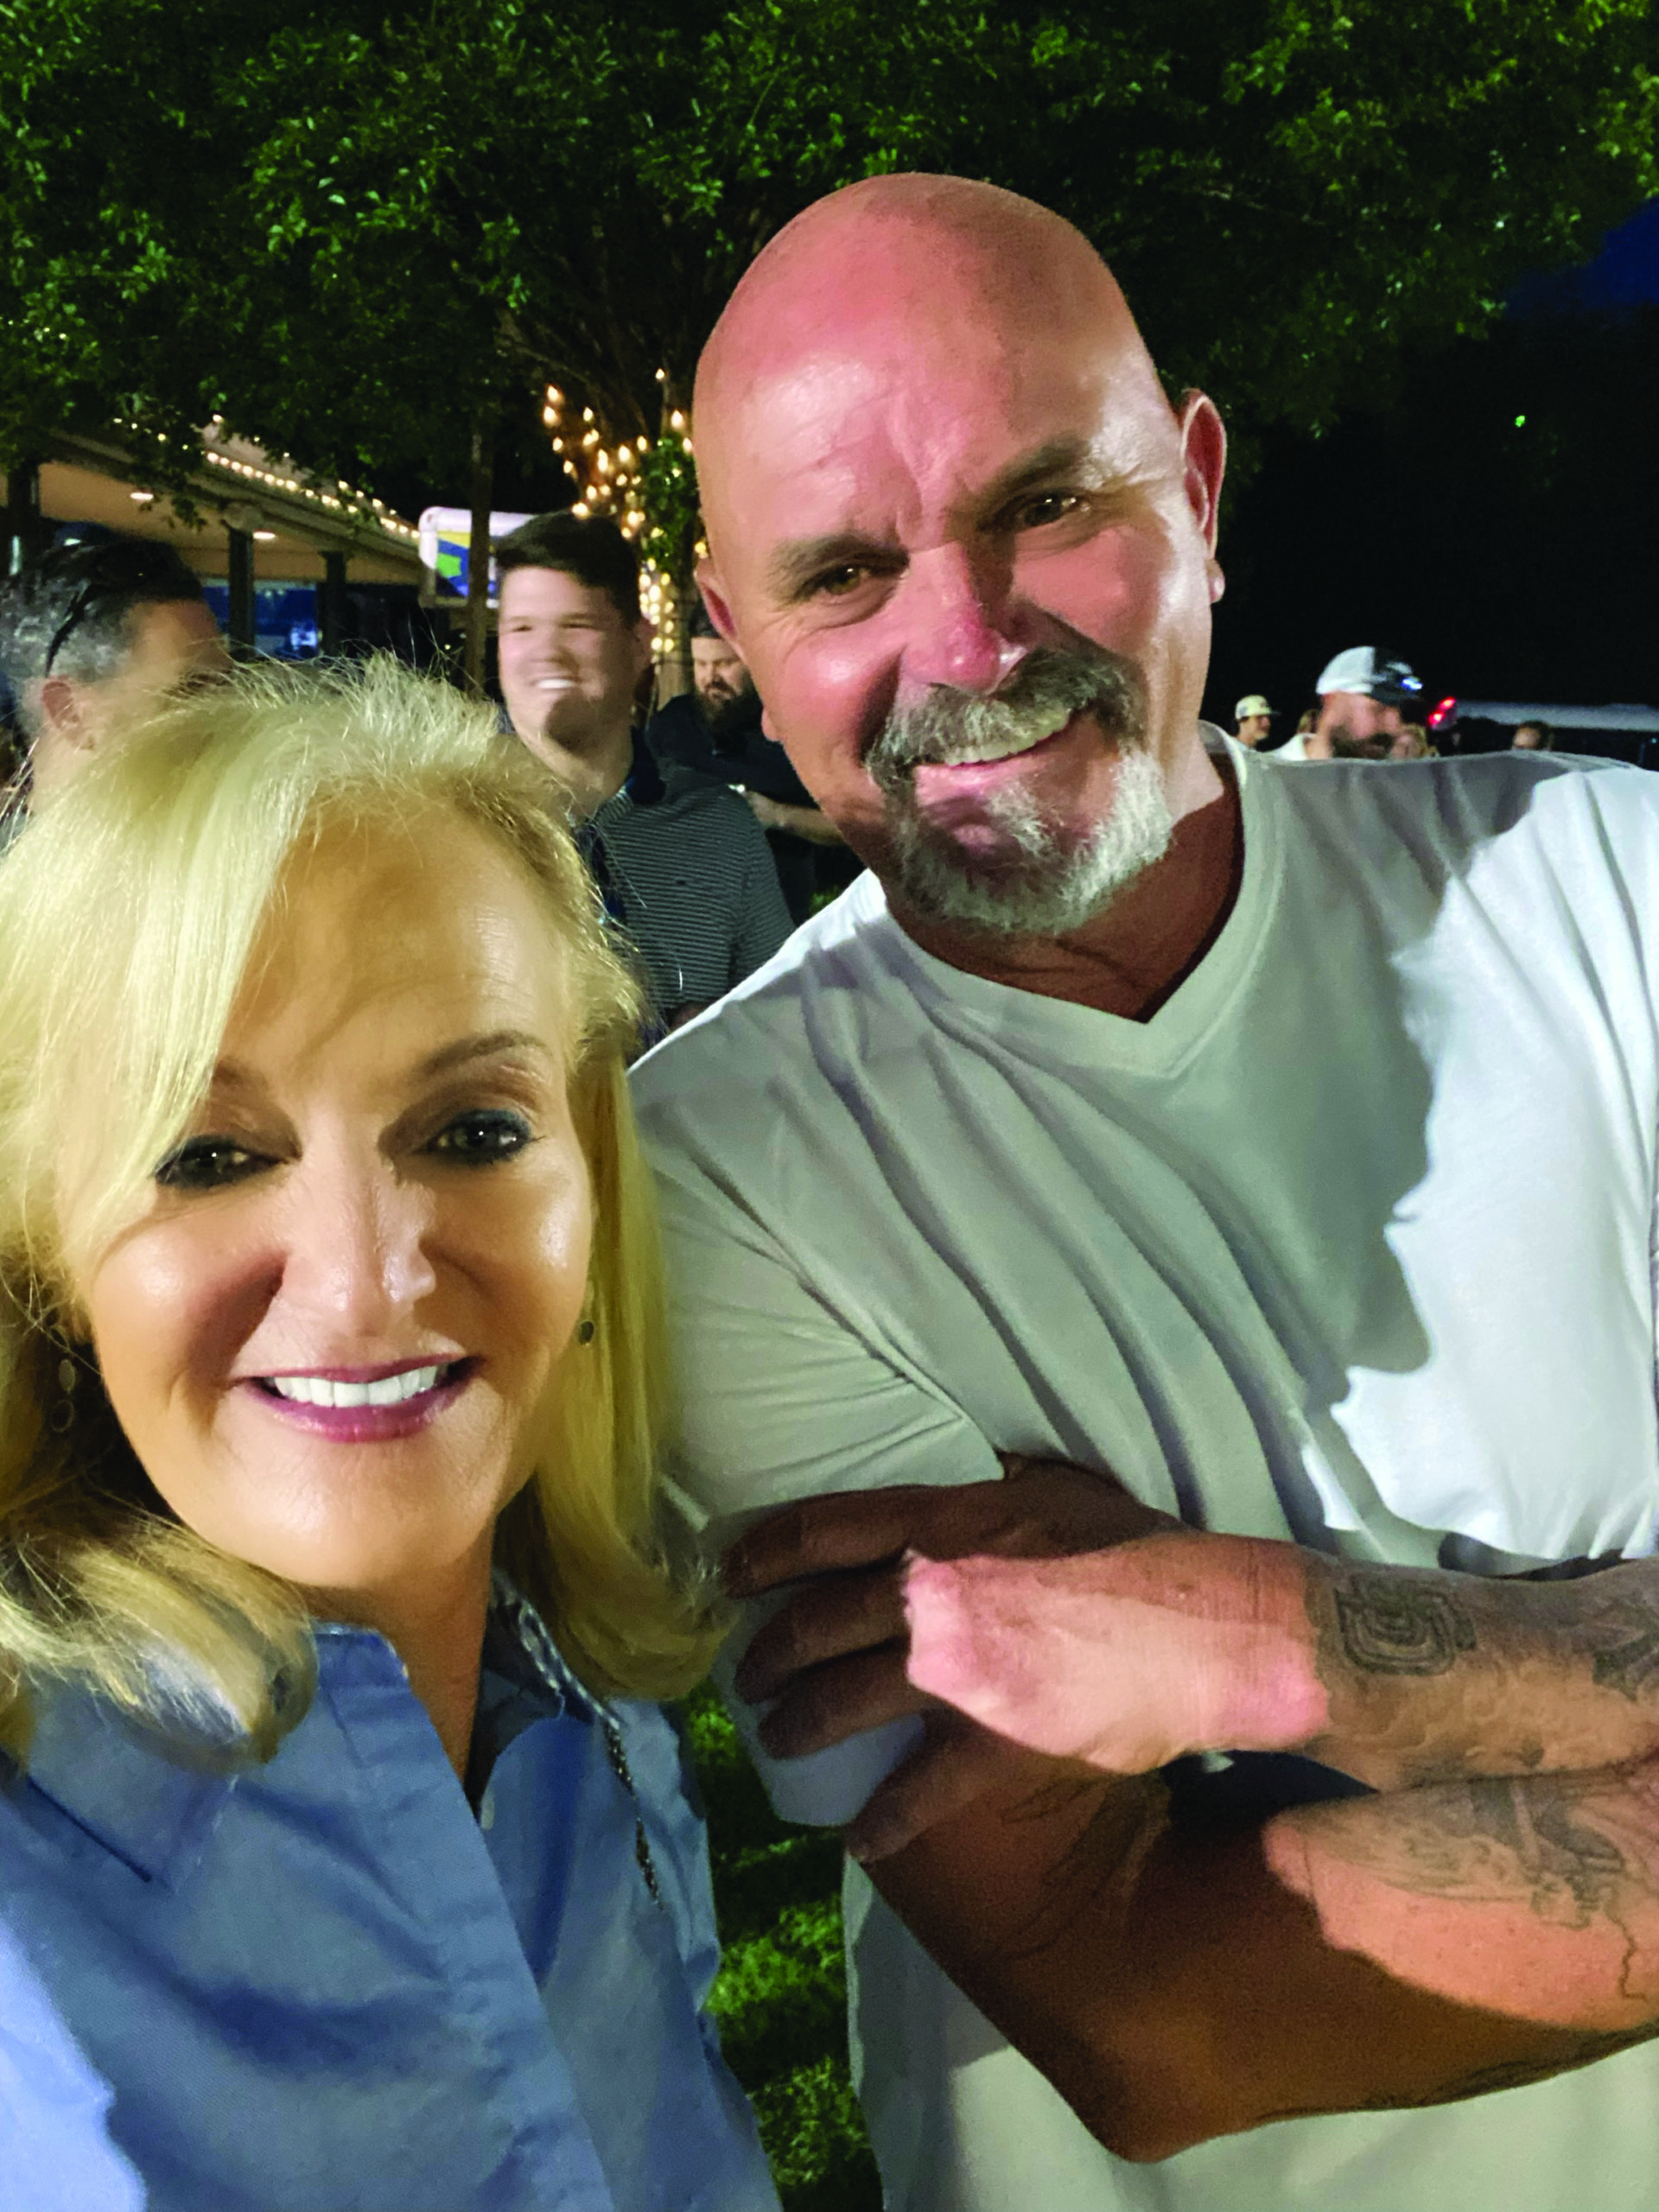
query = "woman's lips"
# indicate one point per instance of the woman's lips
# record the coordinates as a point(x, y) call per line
point(298, 1398)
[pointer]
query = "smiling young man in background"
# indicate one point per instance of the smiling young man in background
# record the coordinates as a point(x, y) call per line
point(685, 874)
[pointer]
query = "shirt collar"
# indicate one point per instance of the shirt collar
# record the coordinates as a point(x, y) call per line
point(156, 1811)
point(524, 1676)
point(642, 786)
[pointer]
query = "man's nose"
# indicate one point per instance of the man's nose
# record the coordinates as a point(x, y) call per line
point(356, 1247)
point(957, 624)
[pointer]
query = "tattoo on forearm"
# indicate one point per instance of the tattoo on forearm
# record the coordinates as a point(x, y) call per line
point(1395, 1624)
point(1626, 1639)
point(1504, 1838)
point(1578, 1850)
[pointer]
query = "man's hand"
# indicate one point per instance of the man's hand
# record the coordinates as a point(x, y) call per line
point(834, 1657)
point(1126, 1659)
point(766, 811)
point(807, 821)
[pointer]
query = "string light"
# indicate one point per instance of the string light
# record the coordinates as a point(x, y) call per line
point(373, 513)
point(621, 482)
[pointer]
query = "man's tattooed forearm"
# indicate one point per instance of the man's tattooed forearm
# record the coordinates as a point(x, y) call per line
point(1549, 1841)
point(1393, 1623)
point(1625, 1638)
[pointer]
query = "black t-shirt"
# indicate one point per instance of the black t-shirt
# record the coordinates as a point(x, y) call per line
point(680, 738)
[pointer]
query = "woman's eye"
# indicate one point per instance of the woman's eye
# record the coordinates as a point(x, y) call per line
point(207, 1164)
point(475, 1139)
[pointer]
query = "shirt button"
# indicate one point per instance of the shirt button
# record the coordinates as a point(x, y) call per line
point(486, 1810)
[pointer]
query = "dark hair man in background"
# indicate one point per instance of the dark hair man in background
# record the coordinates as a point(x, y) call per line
point(712, 734)
point(685, 873)
point(93, 636)
point(1533, 737)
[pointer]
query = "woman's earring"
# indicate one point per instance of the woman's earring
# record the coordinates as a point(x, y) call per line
point(61, 1418)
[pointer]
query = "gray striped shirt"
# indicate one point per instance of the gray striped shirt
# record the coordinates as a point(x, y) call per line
point(688, 877)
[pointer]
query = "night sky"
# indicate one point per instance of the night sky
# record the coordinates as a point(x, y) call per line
point(1625, 274)
point(1495, 524)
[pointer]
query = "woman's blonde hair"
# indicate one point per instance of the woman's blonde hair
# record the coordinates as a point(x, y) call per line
point(130, 909)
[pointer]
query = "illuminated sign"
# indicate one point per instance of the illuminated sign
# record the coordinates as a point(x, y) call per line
point(446, 535)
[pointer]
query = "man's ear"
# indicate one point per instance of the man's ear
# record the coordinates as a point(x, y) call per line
point(714, 600)
point(1203, 461)
point(62, 710)
point(644, 632)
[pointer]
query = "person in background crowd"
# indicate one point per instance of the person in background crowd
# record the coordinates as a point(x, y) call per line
point(1412, 744)
point(1533, 737)
point(1151, 1133)
point(91, 637)
point(344, 1858)
point(1255, 719)
point(1363, 693)
point(712, 735)
point(685, 873)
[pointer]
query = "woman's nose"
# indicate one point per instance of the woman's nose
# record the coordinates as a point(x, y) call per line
point(356, 1244)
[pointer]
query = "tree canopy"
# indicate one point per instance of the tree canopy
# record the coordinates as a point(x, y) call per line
point(348, 228)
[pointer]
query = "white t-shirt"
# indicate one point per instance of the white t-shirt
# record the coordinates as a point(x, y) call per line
point(1352, 1241)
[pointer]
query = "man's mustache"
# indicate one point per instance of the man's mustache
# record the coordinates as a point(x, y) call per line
point(1051, 685)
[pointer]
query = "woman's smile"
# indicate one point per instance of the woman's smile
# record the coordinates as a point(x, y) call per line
point(366, 1405)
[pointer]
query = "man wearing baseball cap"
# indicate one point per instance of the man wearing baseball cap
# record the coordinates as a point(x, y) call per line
point(1255, 719)
point(1363, 695)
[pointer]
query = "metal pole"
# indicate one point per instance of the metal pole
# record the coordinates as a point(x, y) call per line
point(24, 531)
point(330, 612)
point(239, 575)
point(478, 545)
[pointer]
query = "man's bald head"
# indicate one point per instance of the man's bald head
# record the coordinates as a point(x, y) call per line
point(911, 259)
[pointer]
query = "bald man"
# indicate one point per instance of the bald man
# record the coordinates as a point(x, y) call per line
point(1153, 1136)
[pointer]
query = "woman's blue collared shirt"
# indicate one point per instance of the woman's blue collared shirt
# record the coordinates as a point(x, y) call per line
point(323, 1986)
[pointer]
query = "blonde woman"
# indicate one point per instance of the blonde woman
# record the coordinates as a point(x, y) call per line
point(341, 1864)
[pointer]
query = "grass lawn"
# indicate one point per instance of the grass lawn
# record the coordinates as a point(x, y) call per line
point(781, 1997)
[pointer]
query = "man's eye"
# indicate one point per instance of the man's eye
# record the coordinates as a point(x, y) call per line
point(836, 584)
point(474, 1140)
point(1043, 507)
point(208, 1164)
